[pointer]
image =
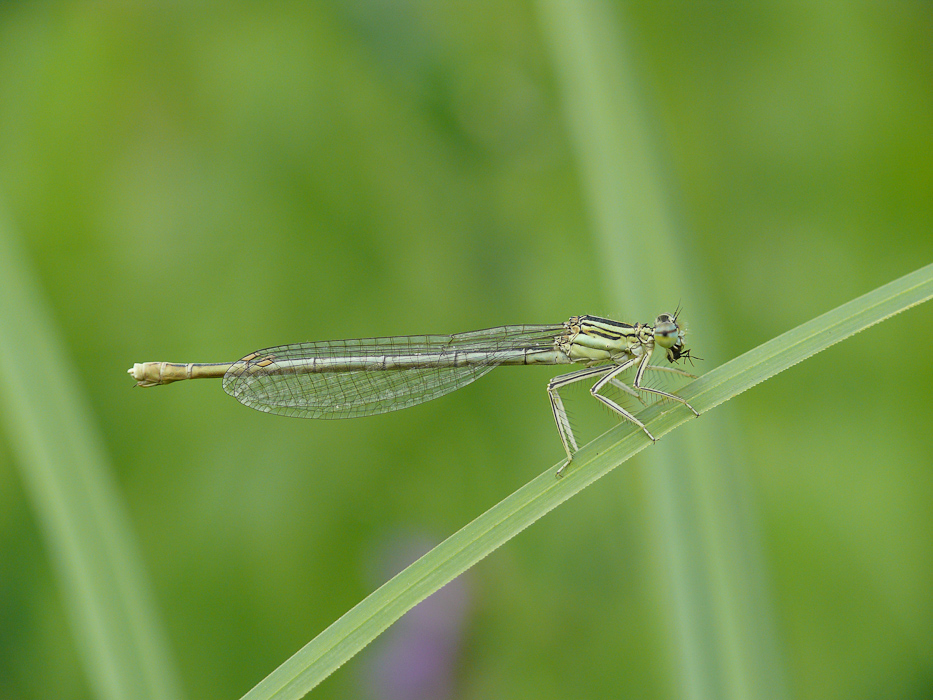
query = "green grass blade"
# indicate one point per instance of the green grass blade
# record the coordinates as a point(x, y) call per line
point(358, 627)
point(718, 615)
point(59, 452)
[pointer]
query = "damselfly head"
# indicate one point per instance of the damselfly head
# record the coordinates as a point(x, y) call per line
point(667, 334)
point(670, 336)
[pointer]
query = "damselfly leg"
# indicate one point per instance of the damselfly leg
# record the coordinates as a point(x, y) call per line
point(609, 376)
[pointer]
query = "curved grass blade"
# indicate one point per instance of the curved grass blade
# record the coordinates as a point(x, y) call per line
point(66, 474)
point(358, 627)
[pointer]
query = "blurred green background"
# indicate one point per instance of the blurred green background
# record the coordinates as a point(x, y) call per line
point(191, 183)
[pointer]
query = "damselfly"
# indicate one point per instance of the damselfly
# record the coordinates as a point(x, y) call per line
point(352, 378)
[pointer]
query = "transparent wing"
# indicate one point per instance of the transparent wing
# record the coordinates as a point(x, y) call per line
point(275, 380)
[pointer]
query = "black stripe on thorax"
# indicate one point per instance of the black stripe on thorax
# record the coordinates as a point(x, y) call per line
point(607, 322)
point(608, 335)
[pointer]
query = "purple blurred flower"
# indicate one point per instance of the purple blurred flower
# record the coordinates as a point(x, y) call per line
point(417, 657)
